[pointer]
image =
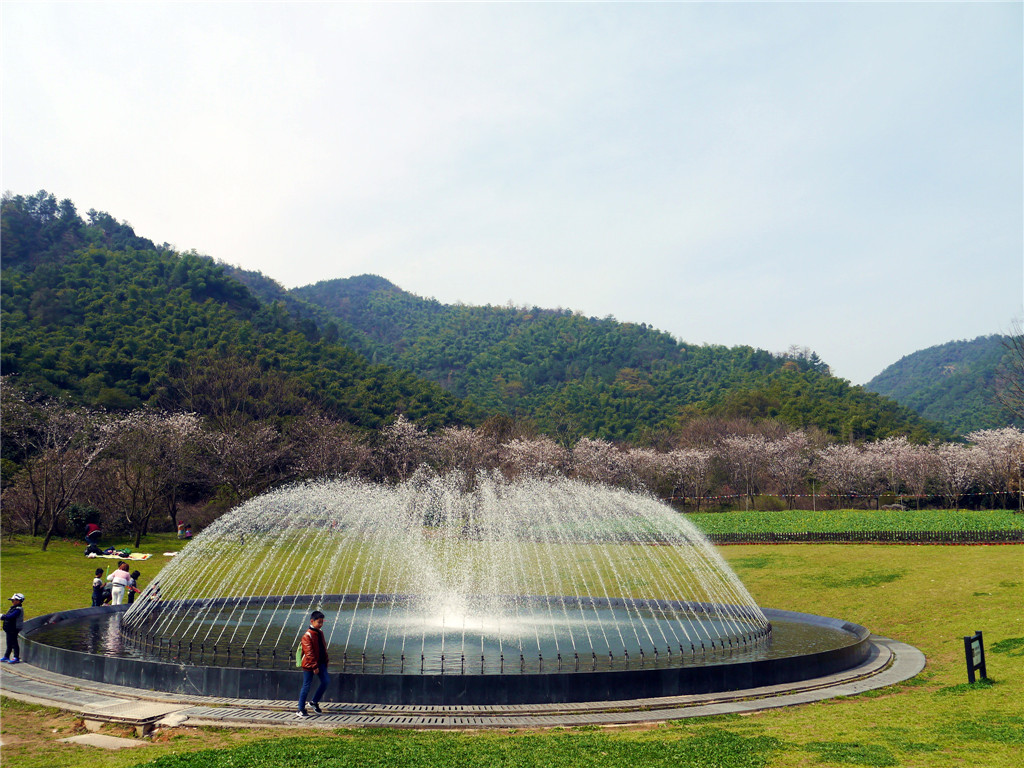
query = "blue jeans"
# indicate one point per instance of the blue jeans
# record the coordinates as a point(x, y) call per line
point(307, 682)
point(13, 650)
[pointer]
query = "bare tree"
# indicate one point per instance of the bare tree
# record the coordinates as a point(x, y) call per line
point(249, 459)
point(325, 448)
point(231, 391)
point(56, 447)
point(145, 463)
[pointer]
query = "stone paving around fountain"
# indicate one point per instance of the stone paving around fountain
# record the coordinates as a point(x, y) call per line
point(890, 663)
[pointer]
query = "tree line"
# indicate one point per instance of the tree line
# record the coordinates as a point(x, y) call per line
point(149, 469)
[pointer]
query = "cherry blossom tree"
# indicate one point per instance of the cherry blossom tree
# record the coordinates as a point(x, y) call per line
point(690, 472)
point(919, 469)
point(648, 469)
point(401, 448)
point(789, 460)
point(847, 470)
point(746, 460)
point(464, 449)
point(1000, 456)
point(600, 461)
point(182, 455)
point(539, 456)
point(892, 457)
point(956, 470)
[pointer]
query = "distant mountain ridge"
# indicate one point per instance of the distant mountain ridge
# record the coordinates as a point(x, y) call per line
point(953, 383)
point(583, 376)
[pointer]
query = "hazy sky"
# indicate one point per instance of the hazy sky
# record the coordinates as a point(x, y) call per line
point(842, 176)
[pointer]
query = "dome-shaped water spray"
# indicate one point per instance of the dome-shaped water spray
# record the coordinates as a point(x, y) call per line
point(431, 577)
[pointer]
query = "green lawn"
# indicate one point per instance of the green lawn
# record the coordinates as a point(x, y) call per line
point(929, 596)
point(60, 579)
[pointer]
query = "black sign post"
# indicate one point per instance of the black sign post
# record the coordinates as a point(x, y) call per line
point(974, 650)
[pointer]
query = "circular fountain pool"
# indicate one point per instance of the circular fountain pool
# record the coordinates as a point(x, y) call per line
point(442, 591)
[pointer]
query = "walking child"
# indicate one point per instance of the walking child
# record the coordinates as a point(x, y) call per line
point(133, 587)
point(97, 587)
point(12, 621)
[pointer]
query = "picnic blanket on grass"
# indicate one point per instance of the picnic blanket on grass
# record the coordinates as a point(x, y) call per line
point(132, 556)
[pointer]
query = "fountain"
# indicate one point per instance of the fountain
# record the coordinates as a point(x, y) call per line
point(448, 590)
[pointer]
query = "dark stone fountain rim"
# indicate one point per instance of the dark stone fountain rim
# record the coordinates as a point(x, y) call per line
point(453, 688)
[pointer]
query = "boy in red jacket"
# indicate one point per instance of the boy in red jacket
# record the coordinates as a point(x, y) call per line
point(314, 662)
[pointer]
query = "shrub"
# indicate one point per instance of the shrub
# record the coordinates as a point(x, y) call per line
point(767, 503)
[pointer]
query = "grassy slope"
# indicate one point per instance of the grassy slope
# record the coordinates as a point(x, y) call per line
point(928, 596)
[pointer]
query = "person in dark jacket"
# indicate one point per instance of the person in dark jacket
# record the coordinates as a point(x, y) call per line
point(97, 587)
point(314, 663)
point(133, 587)
point(92, 533)
point(12, 621)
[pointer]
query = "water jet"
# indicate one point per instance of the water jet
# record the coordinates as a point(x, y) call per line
point(451, 590)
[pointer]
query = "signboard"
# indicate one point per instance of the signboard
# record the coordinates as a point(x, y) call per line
point(974, 650)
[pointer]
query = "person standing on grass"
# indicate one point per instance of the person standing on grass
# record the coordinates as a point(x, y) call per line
point(119, 581)
point(133, 587)
point(12, 621)
point(97, 587)
point(314, 663)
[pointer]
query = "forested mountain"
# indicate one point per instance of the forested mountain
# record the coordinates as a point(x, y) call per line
point(105, 318)
point(954, 383)
point(576, 376)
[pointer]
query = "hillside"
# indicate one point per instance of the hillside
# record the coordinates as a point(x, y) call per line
point(105, 318)
point(953, 383)
point(575, 376)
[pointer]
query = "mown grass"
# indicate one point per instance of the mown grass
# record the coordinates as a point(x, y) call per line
point(928, 596)
point(60, 579)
